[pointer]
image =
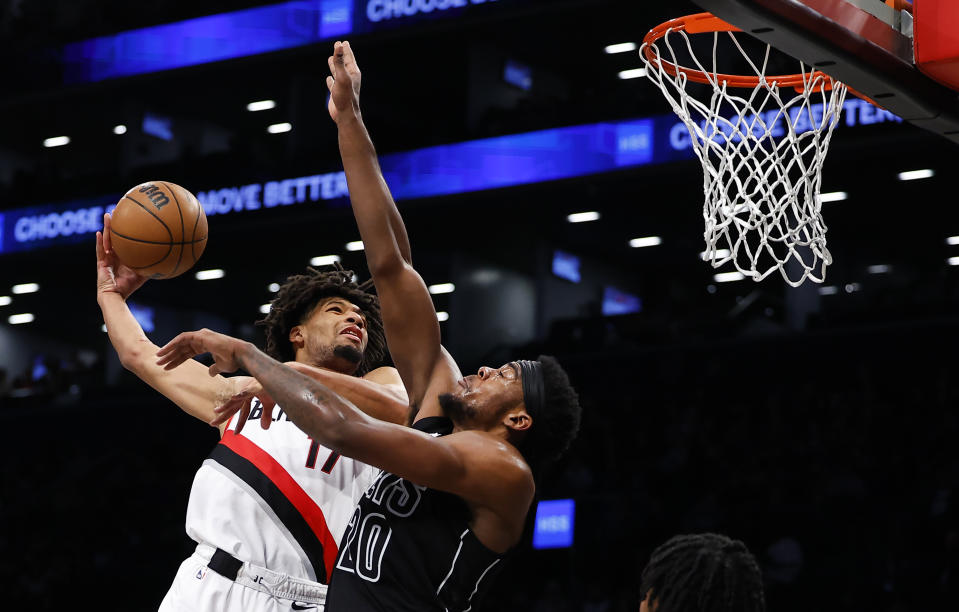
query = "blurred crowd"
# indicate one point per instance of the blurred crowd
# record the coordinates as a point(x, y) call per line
point(52, 378)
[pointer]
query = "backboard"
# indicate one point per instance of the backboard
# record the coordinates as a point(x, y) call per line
point(867, 44)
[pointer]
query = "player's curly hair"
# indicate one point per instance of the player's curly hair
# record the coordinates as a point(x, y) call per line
point(556, 424)
point(301, 293)
point(705, 572)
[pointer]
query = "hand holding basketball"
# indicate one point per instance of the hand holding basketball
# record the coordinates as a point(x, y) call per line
point(158, 230)
point(113, 276)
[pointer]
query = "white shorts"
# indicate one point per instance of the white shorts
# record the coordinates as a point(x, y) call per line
point(197, 588)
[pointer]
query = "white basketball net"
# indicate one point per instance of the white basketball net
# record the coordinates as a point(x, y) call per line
point(762, 159)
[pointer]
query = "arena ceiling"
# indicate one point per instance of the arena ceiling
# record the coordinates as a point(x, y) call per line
point(423, 86)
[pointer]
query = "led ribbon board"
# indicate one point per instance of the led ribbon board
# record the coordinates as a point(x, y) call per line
point(247, 32)
point(490, 163)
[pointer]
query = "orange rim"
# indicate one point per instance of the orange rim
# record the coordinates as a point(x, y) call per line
point(702, 23)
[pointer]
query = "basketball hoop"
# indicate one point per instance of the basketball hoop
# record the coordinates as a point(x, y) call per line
point(762, 152)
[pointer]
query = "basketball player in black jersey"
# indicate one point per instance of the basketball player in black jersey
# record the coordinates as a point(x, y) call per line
point(457, 486)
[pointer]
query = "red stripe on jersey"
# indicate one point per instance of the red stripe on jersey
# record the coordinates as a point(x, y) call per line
point(242, 446)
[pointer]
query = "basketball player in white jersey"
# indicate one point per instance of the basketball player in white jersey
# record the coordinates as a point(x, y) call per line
point(268, 507)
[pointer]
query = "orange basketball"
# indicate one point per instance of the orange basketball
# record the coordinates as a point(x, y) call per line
point(159, 229)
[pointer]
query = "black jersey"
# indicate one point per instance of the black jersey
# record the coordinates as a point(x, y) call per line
point(408, 547)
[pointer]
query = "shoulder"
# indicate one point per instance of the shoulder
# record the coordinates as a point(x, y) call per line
point(493, 459)
point(500, 487)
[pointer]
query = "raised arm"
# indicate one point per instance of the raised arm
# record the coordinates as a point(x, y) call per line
point(191, 388)
point(380, 393)
point(412, 330)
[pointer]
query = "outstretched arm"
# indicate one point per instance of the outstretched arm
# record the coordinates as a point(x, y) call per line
point(412, 330)
point(190, 387)
point(483, 470)
point(379, 393)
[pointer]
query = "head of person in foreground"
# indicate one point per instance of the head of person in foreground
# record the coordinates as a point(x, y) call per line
point(705, 572)
point(324, 318)
point(530, 403)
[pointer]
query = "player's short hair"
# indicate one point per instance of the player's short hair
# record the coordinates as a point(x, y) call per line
point(556, 423)
point(705, 572)
point(301, 293)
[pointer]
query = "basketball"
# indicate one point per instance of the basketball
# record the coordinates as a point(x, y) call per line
point(158, 229)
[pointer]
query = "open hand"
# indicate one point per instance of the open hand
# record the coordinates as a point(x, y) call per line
point(225, 350)
point(344, 82)
point(113, 276)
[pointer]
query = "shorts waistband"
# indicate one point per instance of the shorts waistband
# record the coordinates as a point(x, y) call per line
point(275, 584)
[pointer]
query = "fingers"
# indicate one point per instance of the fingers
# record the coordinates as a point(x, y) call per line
point(107, 242)
point(266, 418)
point(176, 351)
point(173, 360)
point(339, 70)
point(169, 348)
point(214, 369)
point(184, 341)
point(329, 83)
point(268, 403)
point(226, 410)
point(244, 414)
point(230, 406)
point(349, 60)
point(100, 253)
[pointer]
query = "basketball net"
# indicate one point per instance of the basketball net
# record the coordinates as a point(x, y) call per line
point(762, 151)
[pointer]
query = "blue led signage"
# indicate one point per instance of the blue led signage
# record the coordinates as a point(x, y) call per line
point(271, 194)
point(555, 519)
point(490, 163)
point(379, 11)
point(207, 39)
point(43, 226)
point(566, 265)
point(616, 302)
point(244, 33)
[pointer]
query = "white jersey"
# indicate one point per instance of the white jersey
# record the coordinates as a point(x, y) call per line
point(276, 498)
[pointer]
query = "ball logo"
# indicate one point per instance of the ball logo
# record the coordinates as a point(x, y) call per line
point(156, 196)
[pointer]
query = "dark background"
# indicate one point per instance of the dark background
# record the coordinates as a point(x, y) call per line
point(819, 429)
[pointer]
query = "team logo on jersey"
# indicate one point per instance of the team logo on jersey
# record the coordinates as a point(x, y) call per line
point(256, 410)
point(201, 573)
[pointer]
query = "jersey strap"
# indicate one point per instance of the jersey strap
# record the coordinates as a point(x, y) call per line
point(301, 516)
